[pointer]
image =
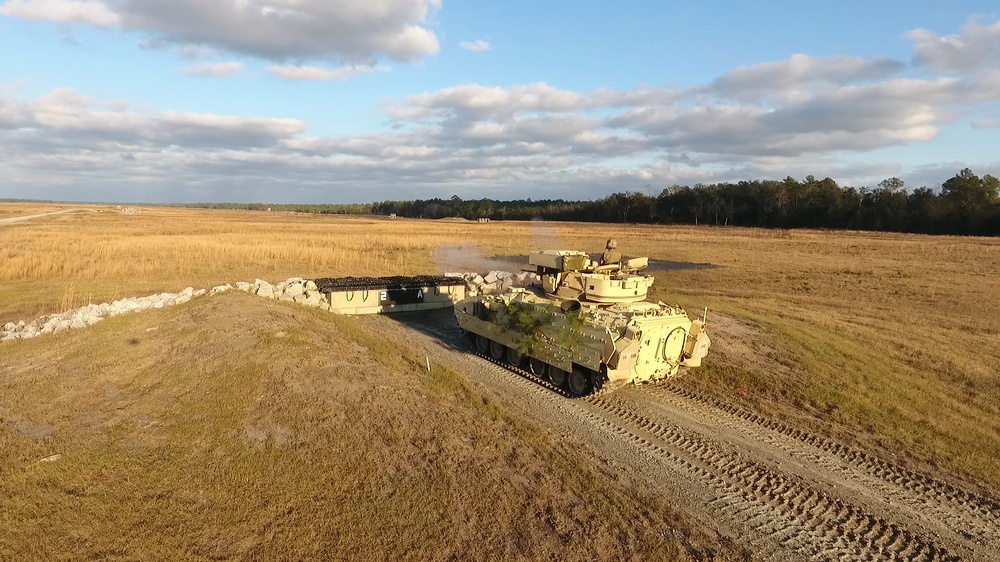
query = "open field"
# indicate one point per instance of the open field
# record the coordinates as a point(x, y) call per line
point(885, 342)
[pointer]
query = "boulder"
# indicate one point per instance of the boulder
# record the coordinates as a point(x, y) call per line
point(491, 277)
point(265, 291)
point(294, 290)
point(311, 285)
point(243, 286)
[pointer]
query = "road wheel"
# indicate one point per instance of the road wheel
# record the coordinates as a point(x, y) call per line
point(482, 343)
point(513, 357)
point(578, 382)
point(537, 367)
point(497, 350)
point(557, 376)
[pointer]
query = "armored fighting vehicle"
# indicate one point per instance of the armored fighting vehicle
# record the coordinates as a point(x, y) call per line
point(588, 327)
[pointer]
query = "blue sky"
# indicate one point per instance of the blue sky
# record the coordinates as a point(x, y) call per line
point(342, 101)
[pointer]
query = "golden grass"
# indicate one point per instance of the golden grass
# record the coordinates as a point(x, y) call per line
point(237, 428)
point(892, 339)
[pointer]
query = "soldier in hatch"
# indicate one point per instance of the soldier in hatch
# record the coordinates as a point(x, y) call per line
point(611, 254)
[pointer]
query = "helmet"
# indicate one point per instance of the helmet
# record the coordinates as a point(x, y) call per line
point(612, 243)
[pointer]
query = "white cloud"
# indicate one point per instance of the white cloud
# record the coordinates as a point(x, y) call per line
point(477, 46)
point(281, 30)
point(484, 100)
point(976, 48)
point(800, 71)
point(64, 119)
point(91, 12)
point(291, 72)
point(215, 70)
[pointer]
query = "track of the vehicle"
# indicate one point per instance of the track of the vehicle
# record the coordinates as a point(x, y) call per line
point(790, 493)
point(975, 516)
point(809, 520)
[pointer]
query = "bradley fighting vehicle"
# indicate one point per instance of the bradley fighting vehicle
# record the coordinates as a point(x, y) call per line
point(587, 328)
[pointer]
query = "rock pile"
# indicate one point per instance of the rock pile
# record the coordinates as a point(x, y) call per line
point(92, 314)
point(497, 281)
point(295, 289)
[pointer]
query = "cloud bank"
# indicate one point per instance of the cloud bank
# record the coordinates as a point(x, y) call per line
point(802, 115)
point(275, 30)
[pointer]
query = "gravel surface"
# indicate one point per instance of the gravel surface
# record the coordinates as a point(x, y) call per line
point(788, 493)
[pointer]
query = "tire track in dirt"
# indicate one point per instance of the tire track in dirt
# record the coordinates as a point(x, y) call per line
point(971, 517)
point(788, 504)
point(835, 528)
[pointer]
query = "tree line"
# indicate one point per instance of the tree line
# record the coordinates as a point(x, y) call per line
point(966, 204)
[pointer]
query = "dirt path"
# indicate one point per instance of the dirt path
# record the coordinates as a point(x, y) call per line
point(790, 494)
point(24, 218)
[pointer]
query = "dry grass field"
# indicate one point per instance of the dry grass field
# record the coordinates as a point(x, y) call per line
point(237, 428)
point(887, 341)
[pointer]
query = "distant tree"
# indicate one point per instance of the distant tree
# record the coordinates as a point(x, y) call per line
point(967, 191)
point(891, 184)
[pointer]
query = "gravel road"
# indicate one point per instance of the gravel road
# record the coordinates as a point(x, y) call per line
point(787, 493)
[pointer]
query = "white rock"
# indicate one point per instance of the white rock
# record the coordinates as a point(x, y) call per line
point(9, 327)
point(293, 290)
point(265, 291)
point(243, 286)
point(491, 277)
point(311, 285)
point(198, 293)
point(220, 289)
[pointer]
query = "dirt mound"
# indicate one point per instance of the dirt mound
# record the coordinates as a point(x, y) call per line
point(236, 427)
